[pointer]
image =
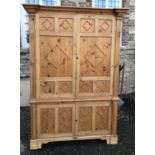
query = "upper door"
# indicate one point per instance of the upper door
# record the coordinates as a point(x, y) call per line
point(95, 55)
point(55, 55)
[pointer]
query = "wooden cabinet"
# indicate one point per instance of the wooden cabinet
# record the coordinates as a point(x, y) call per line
point(74, 63)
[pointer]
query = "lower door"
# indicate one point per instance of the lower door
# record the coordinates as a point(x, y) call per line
point(93, 118)
point(56, 120)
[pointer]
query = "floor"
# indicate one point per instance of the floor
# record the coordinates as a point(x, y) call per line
point(125, 146)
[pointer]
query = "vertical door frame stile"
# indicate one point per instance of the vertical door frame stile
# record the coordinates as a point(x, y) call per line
point(77, 71)
point(93, 117)
point(96, 31)
point(76, 118)
point(110, 115)
point(56, 18)
point(75, 50)
point(37, 57)
point(78, 54)
point(38, 121)
point(56, 87)
point(112, 57)
point(56, 119)
point(96, 24)
point(74, 76)
point(73, 119)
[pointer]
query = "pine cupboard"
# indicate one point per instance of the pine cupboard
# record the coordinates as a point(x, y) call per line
point(74, 67)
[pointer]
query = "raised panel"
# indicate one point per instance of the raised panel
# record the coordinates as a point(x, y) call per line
point(47, 24)
point(102, 86)
point(105, 26)
point(87, 25)
point(47, 87)
point(56, 57)
point(85, 118)
point(65, 87)
point(65, 25)
point(65, 119)
point(86, 86)
point(47, 121)
point(95, 56)
point(102, 118)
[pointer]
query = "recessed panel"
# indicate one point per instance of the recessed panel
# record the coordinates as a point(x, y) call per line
point(95, 53)
point(102, 86)
point(47, 120)
point(65, 120)
point(102, 118)
point(56, 58)
point(47, 87)
point(105, 26)
point(85, 118)
point(47, 24)
point(86, 86)
point(65, 87)
point(87, 25)
point(65, 24)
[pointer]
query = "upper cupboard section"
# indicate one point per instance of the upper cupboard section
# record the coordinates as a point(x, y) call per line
point(56, 23)
point(65, 23)
point(97, 24)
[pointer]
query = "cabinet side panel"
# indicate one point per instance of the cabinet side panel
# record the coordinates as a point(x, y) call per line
point(32, 55)
point(117, 57)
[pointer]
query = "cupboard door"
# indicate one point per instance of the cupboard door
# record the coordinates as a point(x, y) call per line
point(93, 118)
point(95, 50)
point(55, 120)
point(55, 55)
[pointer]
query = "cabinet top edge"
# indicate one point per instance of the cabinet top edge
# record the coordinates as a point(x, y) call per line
point(33, 8)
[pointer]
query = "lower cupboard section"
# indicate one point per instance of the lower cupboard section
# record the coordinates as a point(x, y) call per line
point(73, 119)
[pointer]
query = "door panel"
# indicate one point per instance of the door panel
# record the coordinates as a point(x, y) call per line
point(55, 46)
point(55, 120)
point(95, 55)
point(93, 118)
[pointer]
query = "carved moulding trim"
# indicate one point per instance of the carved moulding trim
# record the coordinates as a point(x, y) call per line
point(32, 8)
